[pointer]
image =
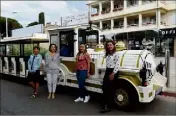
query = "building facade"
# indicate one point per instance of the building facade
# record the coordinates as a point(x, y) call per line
point(137, 22)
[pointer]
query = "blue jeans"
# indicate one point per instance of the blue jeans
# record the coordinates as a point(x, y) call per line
point(81, 77)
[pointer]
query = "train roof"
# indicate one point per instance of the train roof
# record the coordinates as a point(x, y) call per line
point(34, 38)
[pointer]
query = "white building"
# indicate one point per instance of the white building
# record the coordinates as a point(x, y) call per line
point(134, 20)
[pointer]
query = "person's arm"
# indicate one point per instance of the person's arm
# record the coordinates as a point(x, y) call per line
point(88, 61)
point(116, 68)
point(39, 62)
point(76, 58)
point(46, 59)
point(58, 58)
point(29, 64)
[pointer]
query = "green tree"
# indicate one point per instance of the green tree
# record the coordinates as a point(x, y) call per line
point(32, 24)
point(42, 18)
point(12, 24)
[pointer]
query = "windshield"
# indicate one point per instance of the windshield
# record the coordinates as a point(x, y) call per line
point(90, 38)
point(91, 41)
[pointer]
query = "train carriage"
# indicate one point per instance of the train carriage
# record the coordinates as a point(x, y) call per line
point(130, 86)
point(14, 55)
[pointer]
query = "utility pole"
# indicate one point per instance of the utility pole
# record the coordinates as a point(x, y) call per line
point(7, 24)
point(7, 27)
point(157, 17)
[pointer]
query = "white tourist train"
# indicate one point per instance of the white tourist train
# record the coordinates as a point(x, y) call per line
point(130, 85)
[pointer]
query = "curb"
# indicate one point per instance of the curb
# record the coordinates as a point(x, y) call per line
point(170, 94)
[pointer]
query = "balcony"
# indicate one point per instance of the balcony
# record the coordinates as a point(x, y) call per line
point(147, 1)
point(106, 7)
point(118, 5)
point(118, 23)
point(94, 10)
point(106, 25)
point(96, 24)
point(149, 19)
point(132, 3)
point(133, 21)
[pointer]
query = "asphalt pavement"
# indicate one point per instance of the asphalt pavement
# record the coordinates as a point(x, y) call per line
point(15, 100)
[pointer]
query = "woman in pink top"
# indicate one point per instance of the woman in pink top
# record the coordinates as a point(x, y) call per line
point(82, 72)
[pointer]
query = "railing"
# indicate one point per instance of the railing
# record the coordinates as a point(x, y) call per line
point(118, 9)
point(96, 14)
point(96, 56)
point(118, 26)
point(133, 25)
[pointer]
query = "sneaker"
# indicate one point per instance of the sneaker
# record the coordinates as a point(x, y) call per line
point(33, 96)
point(86, 99)
point(79, 99)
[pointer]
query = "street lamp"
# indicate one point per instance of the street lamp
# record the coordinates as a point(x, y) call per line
point(7, 24)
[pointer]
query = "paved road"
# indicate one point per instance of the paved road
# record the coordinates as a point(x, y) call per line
point(15, 100)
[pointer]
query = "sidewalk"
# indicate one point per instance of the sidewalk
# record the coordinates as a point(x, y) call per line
point(171, 91)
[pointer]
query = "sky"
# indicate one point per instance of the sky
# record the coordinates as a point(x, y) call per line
point(27, 11)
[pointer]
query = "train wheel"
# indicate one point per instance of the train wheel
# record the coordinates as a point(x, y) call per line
point(121, 98)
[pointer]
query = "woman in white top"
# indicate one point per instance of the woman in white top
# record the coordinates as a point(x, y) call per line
point(112, 66)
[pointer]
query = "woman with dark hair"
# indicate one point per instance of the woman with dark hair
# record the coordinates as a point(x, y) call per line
point(82, 72)
point(52, 69)
point(112, 66)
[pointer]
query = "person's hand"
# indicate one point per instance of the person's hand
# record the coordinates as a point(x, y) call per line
point(111, 77)
point(88, 74)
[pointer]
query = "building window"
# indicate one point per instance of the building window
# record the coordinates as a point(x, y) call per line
point(148, 1)
point(106, 7)
point(94, 10)
point(149, 19)
point(118, 5)
point(133, 21)
point(132, 3)
point(106, 24)
point(119, 23)
point(162, 44)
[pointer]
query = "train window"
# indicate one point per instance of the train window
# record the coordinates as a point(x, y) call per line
point(43, 48)
point(2, 50)
point(54, 40)
point(89, 37)
point(66, 44)
point(16, 50)
point(91, 41)
point(13, 49)
point(28, 49)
